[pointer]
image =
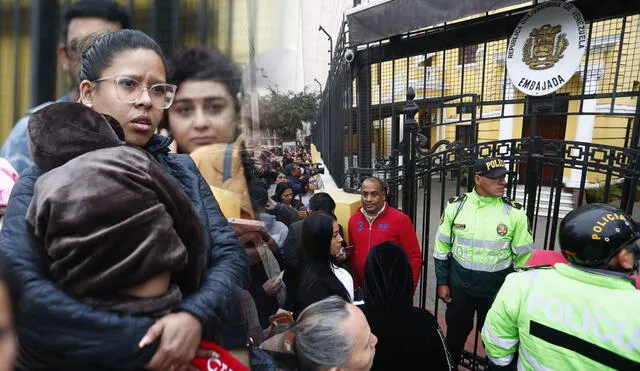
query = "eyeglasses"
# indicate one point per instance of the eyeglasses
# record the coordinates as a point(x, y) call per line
point(129, 90)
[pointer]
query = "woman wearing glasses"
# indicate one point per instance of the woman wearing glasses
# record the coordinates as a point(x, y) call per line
point(124, 76)
point(308, 185)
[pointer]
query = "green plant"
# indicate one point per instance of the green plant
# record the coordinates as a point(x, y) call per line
point(285, 112)
point(464, 176)
point(596, 194)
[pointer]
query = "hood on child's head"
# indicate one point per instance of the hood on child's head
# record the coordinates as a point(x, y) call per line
point(63, 131)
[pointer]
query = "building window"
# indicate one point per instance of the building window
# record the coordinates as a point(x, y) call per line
point(464, 135)
point(467, 54)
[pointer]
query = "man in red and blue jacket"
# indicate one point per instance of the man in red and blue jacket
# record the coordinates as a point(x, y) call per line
point(376, 222)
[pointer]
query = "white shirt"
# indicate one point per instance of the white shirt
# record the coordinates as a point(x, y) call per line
point(305, 199)
point(345, 278)
point(277, 230)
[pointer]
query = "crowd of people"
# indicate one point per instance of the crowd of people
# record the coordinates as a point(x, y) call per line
point(131, 249)
point(125, 248)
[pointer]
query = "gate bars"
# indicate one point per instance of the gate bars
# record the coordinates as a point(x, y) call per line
point(401, 102)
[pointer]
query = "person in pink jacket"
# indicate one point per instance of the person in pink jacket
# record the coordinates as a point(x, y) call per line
point(8, 177)
point(551, 258)
point(376, 222)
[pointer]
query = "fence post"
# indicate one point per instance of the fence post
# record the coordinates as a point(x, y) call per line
point(408, 161)
point(533, 165)
point(364, 116)
point(630, 183)
point(164, 25)
point(44, 41)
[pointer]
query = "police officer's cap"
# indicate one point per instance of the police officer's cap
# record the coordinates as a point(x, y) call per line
point(593, 234)
point(490, 167)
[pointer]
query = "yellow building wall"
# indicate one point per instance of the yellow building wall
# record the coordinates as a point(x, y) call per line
point(347, 204)
point(488, 130)
point(217, 32)
point(14, 68)
point(608, 130)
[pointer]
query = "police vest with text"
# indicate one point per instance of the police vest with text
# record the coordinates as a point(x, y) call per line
point(478, 242)
point(565, 318)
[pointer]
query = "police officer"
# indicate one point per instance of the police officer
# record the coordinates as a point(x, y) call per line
point(578, 316)
point(481, 235)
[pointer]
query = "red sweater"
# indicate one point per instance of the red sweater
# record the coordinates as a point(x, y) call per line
point(391, 225)
point(547, 257)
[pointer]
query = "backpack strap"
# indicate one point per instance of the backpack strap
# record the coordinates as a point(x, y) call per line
point(228, 156)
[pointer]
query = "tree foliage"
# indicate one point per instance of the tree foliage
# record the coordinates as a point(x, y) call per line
point(285, 112)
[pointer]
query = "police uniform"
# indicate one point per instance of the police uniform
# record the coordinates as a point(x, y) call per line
point(478, 242)
point(577, 316)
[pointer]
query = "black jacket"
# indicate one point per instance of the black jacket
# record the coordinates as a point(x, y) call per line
point(317, 282)
point(289, 257)
point(70, 335)
point(408, 338)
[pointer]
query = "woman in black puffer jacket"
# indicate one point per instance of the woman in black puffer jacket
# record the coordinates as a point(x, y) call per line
point(123, 75)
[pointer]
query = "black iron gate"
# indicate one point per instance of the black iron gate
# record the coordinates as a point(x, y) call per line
point(421, 185)
point(462, 87)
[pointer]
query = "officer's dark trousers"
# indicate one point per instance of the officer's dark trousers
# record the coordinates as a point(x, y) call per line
point(459, 317)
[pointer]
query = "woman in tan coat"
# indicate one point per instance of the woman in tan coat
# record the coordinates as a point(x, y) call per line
point(204, 119)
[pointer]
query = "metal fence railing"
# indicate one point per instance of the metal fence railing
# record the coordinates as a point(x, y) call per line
point(416, 110)
point(30, 33)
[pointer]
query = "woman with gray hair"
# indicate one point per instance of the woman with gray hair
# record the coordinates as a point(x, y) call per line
point(332, 333)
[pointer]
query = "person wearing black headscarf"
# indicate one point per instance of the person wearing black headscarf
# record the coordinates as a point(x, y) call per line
point(409, 338)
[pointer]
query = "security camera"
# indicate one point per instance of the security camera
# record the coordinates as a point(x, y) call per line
point(349, 55)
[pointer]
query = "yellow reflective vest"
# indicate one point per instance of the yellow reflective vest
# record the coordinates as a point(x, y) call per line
point(478, 241)
point(567, 318)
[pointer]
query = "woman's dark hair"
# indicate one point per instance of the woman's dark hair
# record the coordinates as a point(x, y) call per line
point(99, 50)
point(9, 277)
point(204, 64)
point(288, 168)
point(258, 195)
point(388, 279)
point(304, 184)
point(322, 202)
point(317, 233)
point(280, 188)
point(207, 64)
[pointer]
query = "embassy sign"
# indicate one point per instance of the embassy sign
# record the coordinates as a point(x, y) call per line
point(546, 48)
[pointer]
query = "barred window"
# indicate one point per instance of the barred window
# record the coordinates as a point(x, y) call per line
point(467, 54)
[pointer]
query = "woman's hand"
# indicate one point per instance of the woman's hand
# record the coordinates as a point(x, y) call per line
point(271, 204)
point(272, 286)
point(247, 238)
point(271, 243)
point(179, 335)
